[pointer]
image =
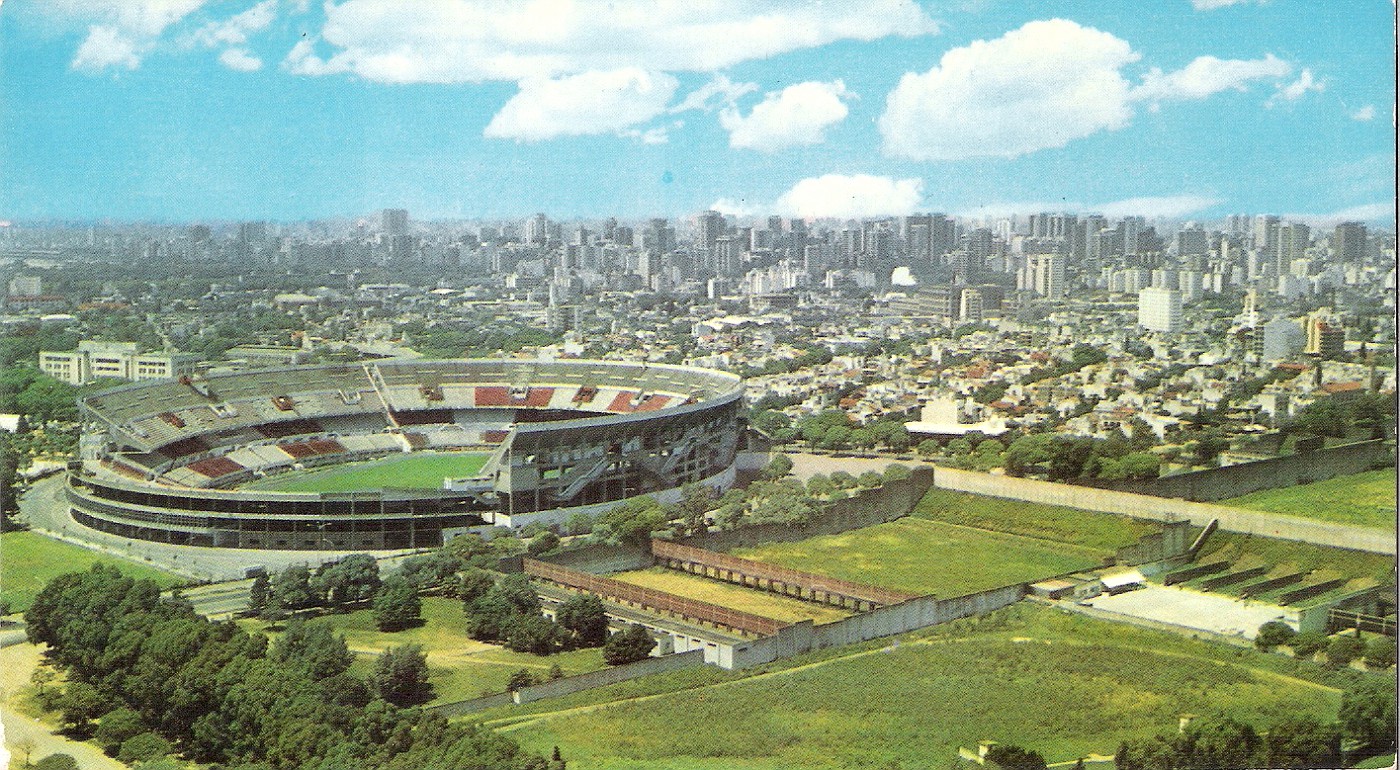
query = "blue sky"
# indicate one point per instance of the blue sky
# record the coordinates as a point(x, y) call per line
point(174, 110)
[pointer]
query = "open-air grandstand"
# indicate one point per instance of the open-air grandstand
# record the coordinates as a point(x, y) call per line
point(563, 437)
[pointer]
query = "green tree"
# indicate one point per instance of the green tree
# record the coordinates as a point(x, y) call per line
point(959, 446)
point(871, 479)
point(401, 676)
point(1028, 454)
point(820, 485)
point(81, 704)
point(778, 467)
point(542, 543)
point(1273, 634)
point(1303, 742)
point(291, 589)
point(844, 480)
point(897, 472)
point(397, 605)
point(628, 646)
point(586, 617)
point(143, 748)
point(312, 647)
point(694, 505)
point(535, 634)
point(1342, 650)
point(115, 727)
point(431, 570)
point(1380, 652)
point(473, 584)
point(258, 594)
point(1308, 644)
point(1010, 757)
point(352, 579)
point(1368, 714)
point(57, 762)
point(520, 680)
point(631, 522)
point(928, 448)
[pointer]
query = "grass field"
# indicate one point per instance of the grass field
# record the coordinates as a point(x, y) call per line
point(459, 667)
point(418, 470)
point(28, 560)
point(731, 596)
point(1300, 557)
point(1101, 531)
point(925, 556)
point(1061, 684)
point(1367, 499)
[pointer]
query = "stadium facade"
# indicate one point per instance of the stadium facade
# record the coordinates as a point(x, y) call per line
point(167, 461)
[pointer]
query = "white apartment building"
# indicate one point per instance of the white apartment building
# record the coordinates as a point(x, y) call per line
point(1159, 309)
point(124, 360)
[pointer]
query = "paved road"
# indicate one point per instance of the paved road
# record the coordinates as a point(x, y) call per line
point(805, 465)
point(45, 509)
point(22, 733)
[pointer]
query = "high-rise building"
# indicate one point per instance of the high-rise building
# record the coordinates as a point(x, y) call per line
point(1192, 241)
point(1293, 241)
point(1266, 233)
point(394, 222)
point(1045, 275)
point(1324, 336)
point(1159, 310)
point(1279, 339)
point(537, 230)
point(711, 227)
point(1349, 242)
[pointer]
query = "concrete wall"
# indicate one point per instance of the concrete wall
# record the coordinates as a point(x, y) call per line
point(1165, 509)
point(1275, 472)
point(1174, 540)
point(571, 684)
point(602, 559)
point(866, 508)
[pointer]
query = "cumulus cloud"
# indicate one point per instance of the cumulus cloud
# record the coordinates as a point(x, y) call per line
point(587, 103)
point(240, 60)
point(741, 208)
point(1036, 87)
point(1296, 90)
point(234, 30)
point(1365, 113)
point(1382, 212)
point(719, 93)
point(1161, 206)
point(119, 32)
point(1206, 76)
point(797, 115)
point(457, 41)
point(850, 197)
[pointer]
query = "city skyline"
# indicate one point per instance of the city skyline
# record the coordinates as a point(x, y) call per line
point(176, 111)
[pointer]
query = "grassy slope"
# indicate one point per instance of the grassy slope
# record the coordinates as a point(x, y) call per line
point(1367, 499)
point(731, 596)
point(411, 471)
point(925, 556)
point(28, 560)
point(1335, 562)
point(459, 667)
point(1065, 685)
point(1102, 531)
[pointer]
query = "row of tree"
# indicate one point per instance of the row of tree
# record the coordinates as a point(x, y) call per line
point(1378, 652)
point(1071, 458)
point(143, 670)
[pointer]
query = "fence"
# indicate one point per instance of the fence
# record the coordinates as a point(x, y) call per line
point(771, 577)
point(1272, 473)
point(657, 601)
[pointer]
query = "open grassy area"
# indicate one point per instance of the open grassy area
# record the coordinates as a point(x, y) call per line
point(1367, 499)
point(459, 667)
point(28, 560)
point(926, 556)
point(417, 470)
point(1328, 563)
point(728, 595)
point(1062, 684)
point(1102, 531)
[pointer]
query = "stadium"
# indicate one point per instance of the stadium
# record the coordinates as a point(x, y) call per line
point(395, 454)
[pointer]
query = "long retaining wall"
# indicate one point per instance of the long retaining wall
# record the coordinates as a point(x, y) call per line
point(1165, 509)
point(1275, 472)
point(572, 684)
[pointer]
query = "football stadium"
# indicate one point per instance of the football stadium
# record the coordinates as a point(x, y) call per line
point(393, 454)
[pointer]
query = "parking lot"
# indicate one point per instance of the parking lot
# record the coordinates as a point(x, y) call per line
point(1192, 609)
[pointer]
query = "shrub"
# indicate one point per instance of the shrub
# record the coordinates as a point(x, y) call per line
point(1308, 644)
point(1343, 650)
point(1380, 652)
point(628, 646)
point(1272, 634)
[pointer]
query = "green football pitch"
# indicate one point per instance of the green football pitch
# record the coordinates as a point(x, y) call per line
point(418, 470)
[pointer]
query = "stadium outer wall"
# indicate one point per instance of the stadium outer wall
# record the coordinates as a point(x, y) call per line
point(545, 472)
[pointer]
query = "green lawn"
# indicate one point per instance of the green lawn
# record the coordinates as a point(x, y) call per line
point(418, 470)
point(1300, 557)
point(1367, 499)
point(735, 597)
point(1102, 531)
point(1064, 685)
point(459, 667)
point(926, 556)
point(28, 560)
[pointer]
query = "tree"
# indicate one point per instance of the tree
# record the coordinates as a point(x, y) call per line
point(314, 648)
point(57, 762)
point(535, 634)
point(820, 485)
point(258, 594)
point(352, 579)
point(1307, 644)
point(1028, 453)
point(1272, 634)
point(82, 703)
point(844, 480)
point(291, 589)
point(473, 584)
point(401, 676)
point(631, 522)
point(959, 446)
point(694, 505)
point(927, 448)
point(778, 467)
point(1380, 652)
point(431, 570)
point(143, 748)
point(397, 605)
point(542, 543)
point(628, 646)
point(1011, 757)
point(115, 727)
point(1342, 650)
point(520, 680)
point(897, 472)
point(586, 617)
point(871, 479)
point(579, 524)
point(1303, 742)
point(1367, 714)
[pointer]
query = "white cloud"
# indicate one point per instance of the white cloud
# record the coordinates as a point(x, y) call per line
point(720, 92)
point(1036, 87)
point(740, 208)
point(797, 115)
point(1374, 213)
point(456, 41)
point(1211, 5)
point(1294, 91)
point(234, 31)
point(1206, 76)
point(850, 197)
point(657, 135)
point(1365, 113)
point(119, 32)
point(240, 60)
point(587, 103)
point(1164, 206)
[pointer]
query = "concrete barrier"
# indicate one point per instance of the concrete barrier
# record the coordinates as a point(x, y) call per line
point(1272, 473)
